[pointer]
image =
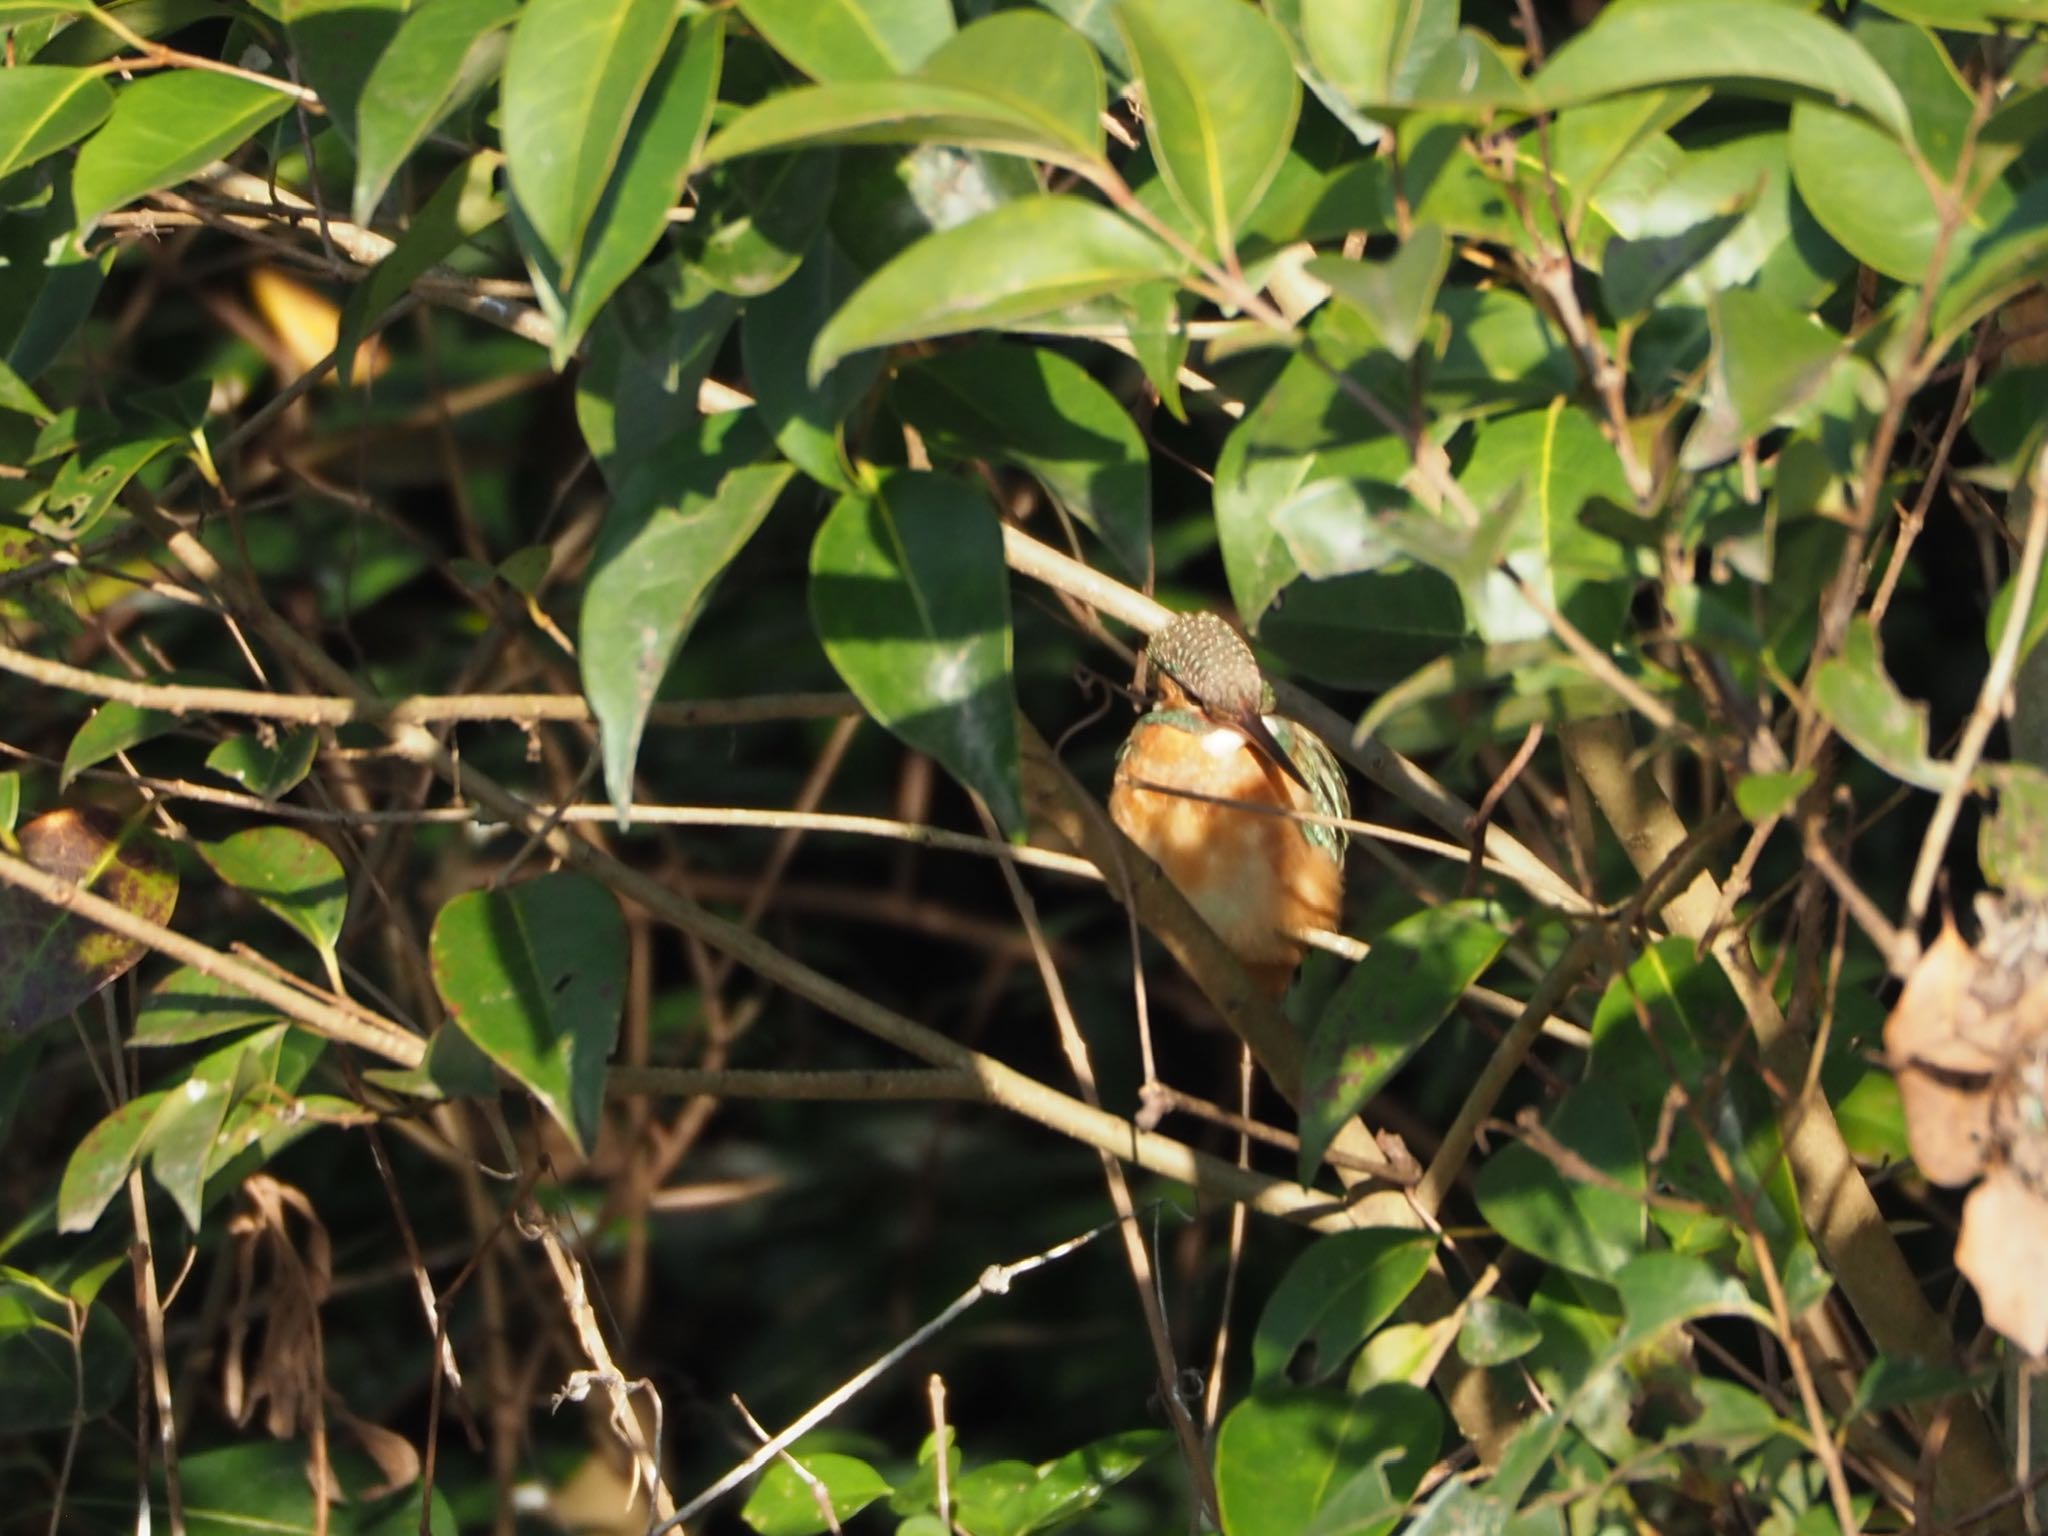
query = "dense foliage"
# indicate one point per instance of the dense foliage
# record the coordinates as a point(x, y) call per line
point(568, 576)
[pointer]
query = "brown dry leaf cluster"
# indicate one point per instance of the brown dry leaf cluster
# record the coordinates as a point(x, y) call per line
point(1969, 1042)
point(284, 1281)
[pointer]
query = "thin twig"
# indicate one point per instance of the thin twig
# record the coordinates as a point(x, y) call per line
point(421, 709)
point(1990, 706)
point(993, 1281)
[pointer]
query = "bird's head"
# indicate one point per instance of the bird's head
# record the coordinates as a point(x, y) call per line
point(1201, 658)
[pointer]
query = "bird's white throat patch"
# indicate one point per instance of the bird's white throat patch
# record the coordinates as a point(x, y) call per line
point(1223, 741)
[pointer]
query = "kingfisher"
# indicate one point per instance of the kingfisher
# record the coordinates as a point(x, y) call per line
point(1257, 878)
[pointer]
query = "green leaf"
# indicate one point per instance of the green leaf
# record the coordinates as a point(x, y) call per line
point(1391, 1002)
point(758, 219)
point(1967, 15)
point(535, 975)
point(1687, 1007)
point(1283, 1454)
point(852, 39)
point(677, 522)
point(49, 1387)
point(633, 214)
point(1495, 1332)
point(1863, 185)
point(1894, 1382)
point(15, 394)
point(100, 1162)
point(164, 128)
point(1557, 1213)
point(1373, 51)
point(2012, 845)
point(1661, 1290)
point(776, 332)
point(1053, 1492)
point(1856, 696)
point(51, 961)
point(2031, 631)
point(2006, 260)
point(969, 93)
point(1044, 413)
point(19, 13)
point(186, 1006)
point(1395, 295)
point(1016, 262)
point(574, 75)
point(86, 484)
point(1761, 796)
point(444, 52)
point(1334, 1295)
point(10, 799)
point(911, 598)
point(1770, 360)
point(187, 1127)
point(1635, 273)
point(271, 766)
point(291, 874)
point(783, 1504)
point(1221, 99)
point(648, 353)
point(1553, 465)
point(1733, 44)
point(1306, 429)
point(43, 108)
point(260, 1486)
point(1061, 93)
point(337, 44)
point(114, 727)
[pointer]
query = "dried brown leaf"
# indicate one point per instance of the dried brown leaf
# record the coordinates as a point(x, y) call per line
point(2003, 1252)
point(1939, 1042)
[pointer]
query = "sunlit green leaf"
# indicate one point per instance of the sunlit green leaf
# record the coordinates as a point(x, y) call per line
point(911, 599)
point(443, 53)
point(1284, 1453)
point(165, 127)
point(268, 767)
point(677, 522)
point(785, 1504)
point(291, 874)
point(100, 1162)
point(1018, 261)
point(1591, 1223)
point(1333, 1297)
point(574, 76)
point(337, 44)
point(187, 1006)
point(1220, 99)
point(1387, 1007)
point(535, 975)
point(1394, 295)
point(1043, 412)
point(1373, 51)
point(1857, 697)
point(43, 108)
point(633, 214)
point(852, 39)
point(1730, 43)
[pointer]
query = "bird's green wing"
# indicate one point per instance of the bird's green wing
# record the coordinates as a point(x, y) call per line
point(1324, 776)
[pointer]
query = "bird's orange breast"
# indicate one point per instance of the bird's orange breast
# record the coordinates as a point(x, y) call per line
point(1253, 876)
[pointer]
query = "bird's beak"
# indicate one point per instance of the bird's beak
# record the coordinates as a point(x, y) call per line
point(1267, 746)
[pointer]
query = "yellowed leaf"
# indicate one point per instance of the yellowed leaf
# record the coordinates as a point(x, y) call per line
point(306, 323)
